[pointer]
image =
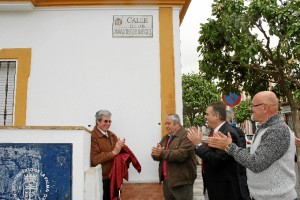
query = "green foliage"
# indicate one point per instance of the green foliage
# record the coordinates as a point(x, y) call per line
point(242, 111)
point(186, 121)
point(197, 93)
point(248, 44)
point(199, 120)
point(297, 96)
point(251, 43)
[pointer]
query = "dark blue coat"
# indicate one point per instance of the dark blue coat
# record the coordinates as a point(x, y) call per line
point(221, 172)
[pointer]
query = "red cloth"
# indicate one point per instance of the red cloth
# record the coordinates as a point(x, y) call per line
point(119, 170)
point(165, 162)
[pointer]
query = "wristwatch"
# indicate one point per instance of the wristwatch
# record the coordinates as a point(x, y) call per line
point(228, 147)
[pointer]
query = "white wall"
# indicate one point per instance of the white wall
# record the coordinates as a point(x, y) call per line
point(78, 68)
point(177, 63)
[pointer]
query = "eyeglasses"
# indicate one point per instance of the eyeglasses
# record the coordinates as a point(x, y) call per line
point(253, 106)
point(107, 121)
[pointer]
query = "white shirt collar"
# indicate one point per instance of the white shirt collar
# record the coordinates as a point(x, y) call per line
point(104, 133)
point(218, 127)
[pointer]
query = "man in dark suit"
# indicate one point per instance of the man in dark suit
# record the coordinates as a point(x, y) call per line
point(242, 170)
point(220, 171)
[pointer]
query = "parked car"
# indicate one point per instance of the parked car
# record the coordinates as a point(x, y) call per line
point(249, 138)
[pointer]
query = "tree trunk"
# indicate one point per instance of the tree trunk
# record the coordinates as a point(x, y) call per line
point(295, 117)
point(296, 126)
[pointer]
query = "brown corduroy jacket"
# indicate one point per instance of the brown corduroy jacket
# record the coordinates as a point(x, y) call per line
point(181, 159)
point(101, 150)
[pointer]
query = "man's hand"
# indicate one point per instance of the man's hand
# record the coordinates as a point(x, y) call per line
point(156, 151)
point(119, 144)
point(195, 135)
point(297, 142)
point(219, 140)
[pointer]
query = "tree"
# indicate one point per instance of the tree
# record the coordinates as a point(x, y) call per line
point(197, 93)
point(242, 111)
point(250, 44)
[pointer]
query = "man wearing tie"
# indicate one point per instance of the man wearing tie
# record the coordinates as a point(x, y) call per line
point(177, 161)
point(220, 171)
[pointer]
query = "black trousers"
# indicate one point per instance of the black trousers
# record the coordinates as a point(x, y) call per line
point(244, 187)
point(106, 189)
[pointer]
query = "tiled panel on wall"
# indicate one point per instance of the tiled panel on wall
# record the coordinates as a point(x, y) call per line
point(36, 171)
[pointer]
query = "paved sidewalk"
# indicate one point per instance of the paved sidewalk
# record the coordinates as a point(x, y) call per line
point(198, 185)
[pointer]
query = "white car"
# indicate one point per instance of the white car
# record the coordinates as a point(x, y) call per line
point(249, 138)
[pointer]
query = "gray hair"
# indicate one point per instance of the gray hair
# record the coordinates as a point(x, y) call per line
point(174, 117)
point(229, 115)
point(100, 113)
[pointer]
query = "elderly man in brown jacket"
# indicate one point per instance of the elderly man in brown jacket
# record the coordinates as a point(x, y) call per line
point(105, 145)
point(177, 161)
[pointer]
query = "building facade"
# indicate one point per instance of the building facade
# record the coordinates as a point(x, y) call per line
point(62, 60)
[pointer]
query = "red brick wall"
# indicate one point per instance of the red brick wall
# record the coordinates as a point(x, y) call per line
point(145, 191)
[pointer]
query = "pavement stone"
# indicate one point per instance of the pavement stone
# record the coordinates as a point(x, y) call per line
point(198, 185)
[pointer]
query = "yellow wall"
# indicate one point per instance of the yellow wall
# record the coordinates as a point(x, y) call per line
point(167, 71)
point(23, 57)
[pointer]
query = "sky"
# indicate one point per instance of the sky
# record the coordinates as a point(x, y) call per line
point(199, 11)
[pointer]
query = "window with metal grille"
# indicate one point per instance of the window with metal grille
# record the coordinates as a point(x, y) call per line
point(7, 92)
